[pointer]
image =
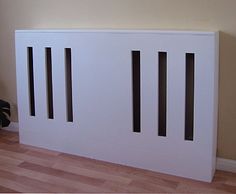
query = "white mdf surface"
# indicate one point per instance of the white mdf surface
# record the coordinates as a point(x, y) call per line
point(118, 31)
point(102, 126)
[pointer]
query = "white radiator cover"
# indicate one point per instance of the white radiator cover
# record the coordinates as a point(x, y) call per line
point(102, 126)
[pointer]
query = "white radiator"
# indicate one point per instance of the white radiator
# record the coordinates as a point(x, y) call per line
point(146, 99)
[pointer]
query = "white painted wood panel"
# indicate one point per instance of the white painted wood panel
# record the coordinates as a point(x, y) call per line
point(102, 126)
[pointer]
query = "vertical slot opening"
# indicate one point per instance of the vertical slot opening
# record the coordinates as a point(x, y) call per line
point(49, 82)
point(31, 80)
point(136, 91)
point(162, 92)
point(68, 85)
point(189, 97)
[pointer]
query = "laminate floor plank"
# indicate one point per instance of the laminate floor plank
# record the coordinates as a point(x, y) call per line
point(6, 190)
point(62, 174)
point(91, 173)
point(51, 183)
point(28, 158)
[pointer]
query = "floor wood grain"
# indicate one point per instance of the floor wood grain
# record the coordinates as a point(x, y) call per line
point(26, 169)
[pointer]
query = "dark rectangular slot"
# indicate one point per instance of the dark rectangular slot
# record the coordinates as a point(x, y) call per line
point(49, 82)
point(31, 80)
point(68, 85)
point(136, 91)
point(189, 97)
point(162, 81)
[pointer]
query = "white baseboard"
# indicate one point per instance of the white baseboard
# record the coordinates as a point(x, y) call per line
point(14, 127)
point(226, 165)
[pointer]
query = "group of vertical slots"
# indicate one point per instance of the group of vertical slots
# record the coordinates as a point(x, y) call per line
point(162, 93)
point(49, 82)
point(136, 89)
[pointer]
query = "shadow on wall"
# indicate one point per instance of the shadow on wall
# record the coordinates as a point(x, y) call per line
point(3, 89)
point(14, 108)
point(227, 96)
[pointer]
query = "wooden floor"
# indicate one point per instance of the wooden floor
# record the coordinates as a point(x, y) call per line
point(29, 169)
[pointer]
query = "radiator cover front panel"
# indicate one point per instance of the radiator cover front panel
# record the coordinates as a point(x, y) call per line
point(102, 97)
